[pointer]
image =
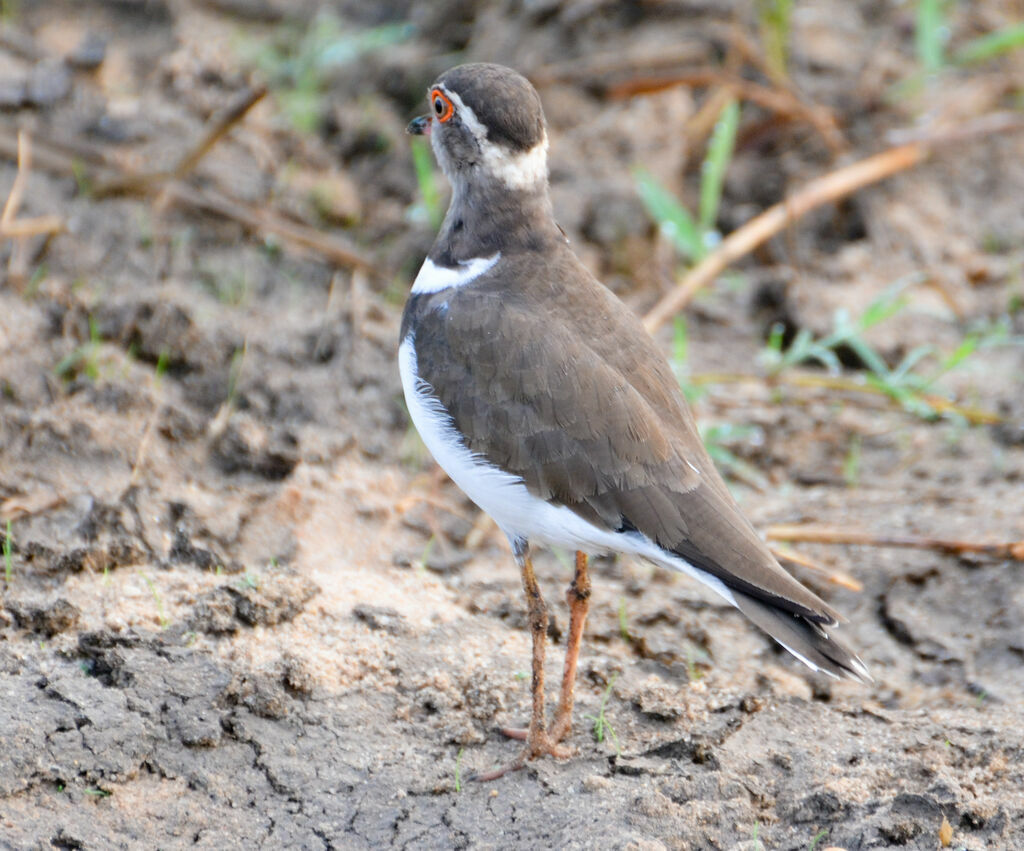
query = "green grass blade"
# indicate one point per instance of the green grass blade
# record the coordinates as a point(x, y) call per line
point(423, 164)
point(720, 149)
point(774, 19)
point(869, 357)
point(340, 49)
point(929, 34)
point(672, 218)
point(887, 303)
point(968, 346)
point(8, 561)
point(991, 45)
point(912, 358)
point(679, 342)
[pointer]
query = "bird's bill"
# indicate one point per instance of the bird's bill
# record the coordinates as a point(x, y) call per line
point(419, 126)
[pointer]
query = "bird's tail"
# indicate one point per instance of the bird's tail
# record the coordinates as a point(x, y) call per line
point(806, 640)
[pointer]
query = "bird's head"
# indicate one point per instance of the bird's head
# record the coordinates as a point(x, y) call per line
point(486, 126)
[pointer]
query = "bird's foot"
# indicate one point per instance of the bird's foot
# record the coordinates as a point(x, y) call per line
point(538, 743)
point(559, 729)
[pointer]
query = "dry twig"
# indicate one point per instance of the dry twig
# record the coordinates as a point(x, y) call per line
point(836, 577)
point(216, 128)
point(265, 222)
point(834, 535)
point(20, 229)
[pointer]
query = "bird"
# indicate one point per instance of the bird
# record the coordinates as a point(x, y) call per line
point(542, 396)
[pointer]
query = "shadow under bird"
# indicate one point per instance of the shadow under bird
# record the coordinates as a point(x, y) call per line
point(548, 404)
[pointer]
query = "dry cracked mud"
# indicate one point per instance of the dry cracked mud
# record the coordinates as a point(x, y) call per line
point(240, 607)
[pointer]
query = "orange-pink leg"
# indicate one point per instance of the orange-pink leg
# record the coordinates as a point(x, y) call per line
point(578, 598)
point(538, 742)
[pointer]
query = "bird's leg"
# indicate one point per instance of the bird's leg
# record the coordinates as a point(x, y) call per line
point(537, 612)
point(538, 742)
point(578, 598)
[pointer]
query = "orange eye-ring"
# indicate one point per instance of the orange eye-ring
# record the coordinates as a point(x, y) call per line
point(443, 108)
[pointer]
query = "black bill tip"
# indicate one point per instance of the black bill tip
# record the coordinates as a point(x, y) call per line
point(419, 126)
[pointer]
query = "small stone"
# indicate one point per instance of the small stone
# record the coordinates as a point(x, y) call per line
point(596, 783)
point(89, 53)
point(380, 618)
point(48, 83)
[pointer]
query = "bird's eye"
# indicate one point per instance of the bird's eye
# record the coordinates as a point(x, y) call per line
point(443, 107)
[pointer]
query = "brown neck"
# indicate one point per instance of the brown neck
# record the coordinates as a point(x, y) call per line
point(486, 217)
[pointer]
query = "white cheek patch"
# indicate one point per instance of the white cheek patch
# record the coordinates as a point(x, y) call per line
point(516, 170)
point(433, 278)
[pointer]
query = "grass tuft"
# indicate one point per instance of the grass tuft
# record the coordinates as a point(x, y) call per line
point(83, 359)
point(909, 383)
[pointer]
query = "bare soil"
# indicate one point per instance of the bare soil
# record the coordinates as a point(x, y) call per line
point(242, 609)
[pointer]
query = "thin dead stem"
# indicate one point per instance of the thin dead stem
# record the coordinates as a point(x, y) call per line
point(836, 577)
point(215, 130)
point(835, 535)
point(20, 230)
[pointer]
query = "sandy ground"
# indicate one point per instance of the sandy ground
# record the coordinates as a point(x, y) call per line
point(241, 608)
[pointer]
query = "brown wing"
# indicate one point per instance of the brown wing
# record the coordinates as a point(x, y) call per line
point(584, 408)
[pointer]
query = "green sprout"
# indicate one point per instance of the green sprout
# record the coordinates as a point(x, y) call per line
point(164, 621)
point(851, 464)
point(623, 624)
point(602, 726)
point(909, 383)
point(719, 437)
point(84, 359)
point(458, 771)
